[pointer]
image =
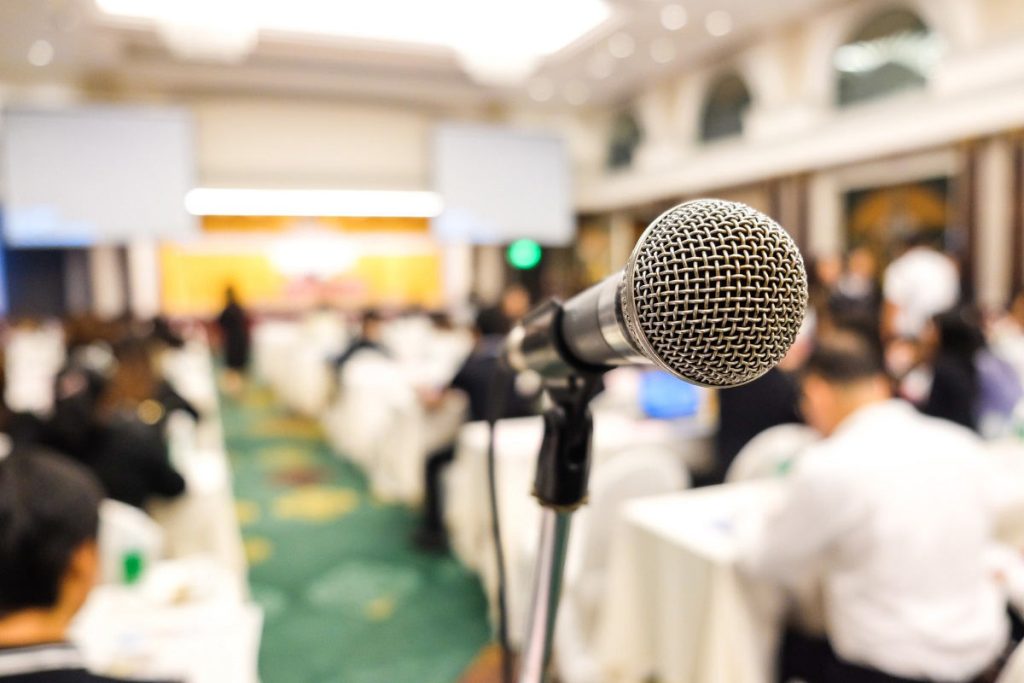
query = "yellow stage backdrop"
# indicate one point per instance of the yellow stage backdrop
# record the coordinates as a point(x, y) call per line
point(194, 276)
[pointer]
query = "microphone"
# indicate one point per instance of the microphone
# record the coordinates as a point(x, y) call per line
point(714, 293)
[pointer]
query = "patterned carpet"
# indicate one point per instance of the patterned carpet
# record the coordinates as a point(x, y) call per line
point(347, 599)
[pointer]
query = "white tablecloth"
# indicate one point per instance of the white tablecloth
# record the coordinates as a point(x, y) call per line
point(676, 607)
point(202, 521)
point(184, 623)
point(467, 508)
point(33, 357)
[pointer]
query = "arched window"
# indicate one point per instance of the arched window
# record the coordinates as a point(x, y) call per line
point(727, 102)
point(626, 136)
point(893, 51)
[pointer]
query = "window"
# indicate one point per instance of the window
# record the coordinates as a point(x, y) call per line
point(626, 136)
point(727, 102)
point(892, 52)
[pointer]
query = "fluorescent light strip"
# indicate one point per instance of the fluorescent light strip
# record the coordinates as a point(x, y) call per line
point(209, 201)
point(532, 27)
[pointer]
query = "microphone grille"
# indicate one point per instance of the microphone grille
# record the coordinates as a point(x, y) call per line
point(715, 292)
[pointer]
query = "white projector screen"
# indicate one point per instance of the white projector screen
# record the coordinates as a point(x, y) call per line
point(500, 184)
point(88, 175)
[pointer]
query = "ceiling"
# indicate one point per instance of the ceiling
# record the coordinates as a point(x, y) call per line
point(70, 43)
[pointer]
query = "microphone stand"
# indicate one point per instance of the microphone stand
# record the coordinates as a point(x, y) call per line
point(560, 485)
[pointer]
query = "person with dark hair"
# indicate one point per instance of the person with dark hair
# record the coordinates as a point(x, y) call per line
point(128, 449)
point(49, 562)
point(955, 389)
point(162, 331)
point(856, 299)
point(72, 427)
point(746, 411)
point(370, 336)
point(490, 394)
point(234, 327)
point(896, 512)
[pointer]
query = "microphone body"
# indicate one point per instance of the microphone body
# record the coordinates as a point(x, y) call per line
point(587, 333)
point(714, 292)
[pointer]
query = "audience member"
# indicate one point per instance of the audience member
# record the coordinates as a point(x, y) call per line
point(136, 387)
point(856, 298)
point(955, 388)
point(49, 562)
point(894, 509)
point(513, 305)
point(162, 331)
point(492, 393)
point(918, 285)
point(746, 411)
point(369, 338)
point(823, 273)
point(72, 428)
point(234, 326)
point(129, 453)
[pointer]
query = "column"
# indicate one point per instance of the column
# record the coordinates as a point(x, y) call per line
point(106, 277)
point(144, 278)
point(621, 240)
point(992, 258)
point(457, 265)
point(490, 273)
point(1017, 214)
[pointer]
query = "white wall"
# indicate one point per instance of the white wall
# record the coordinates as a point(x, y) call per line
point(793, 125)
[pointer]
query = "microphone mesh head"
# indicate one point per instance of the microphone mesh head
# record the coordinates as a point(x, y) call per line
point(714, 292)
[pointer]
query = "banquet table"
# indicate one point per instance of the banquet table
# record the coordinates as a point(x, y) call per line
point(202, 521)
point(676, 606)
point(186, 621)
point(467, 507)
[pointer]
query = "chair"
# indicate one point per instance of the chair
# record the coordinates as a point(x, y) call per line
point(377, 422)
point(630, 474)
point(126, 530)
point(771, 452)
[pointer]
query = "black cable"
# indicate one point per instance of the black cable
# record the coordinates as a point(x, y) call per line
point(499, 381)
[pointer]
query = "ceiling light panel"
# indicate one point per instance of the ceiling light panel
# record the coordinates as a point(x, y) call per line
point(531, 27)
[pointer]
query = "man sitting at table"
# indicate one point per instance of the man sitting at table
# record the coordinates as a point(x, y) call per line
point(894, 511)
point(49, 561)
point(490, 393)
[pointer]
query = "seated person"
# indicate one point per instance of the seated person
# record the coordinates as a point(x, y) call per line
point(132, 463)
point(955, 391)
point(370, 335)
point(895, 512)
point(129, 452)
point(72, 429)
point(49, 562)
point(746, 411)
point(491, 394)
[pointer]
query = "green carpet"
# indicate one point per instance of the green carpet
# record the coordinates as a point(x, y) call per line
point(346, 598)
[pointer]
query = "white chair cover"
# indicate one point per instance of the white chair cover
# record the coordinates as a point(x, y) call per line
point(125, 529)
point(630, 474)
point(770, 452)
point(377, 422)
point(32, 360)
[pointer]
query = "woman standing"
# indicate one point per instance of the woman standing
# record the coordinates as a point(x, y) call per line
point(234, 326)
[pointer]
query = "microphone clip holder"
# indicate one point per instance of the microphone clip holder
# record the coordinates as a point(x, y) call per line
point(560, 485)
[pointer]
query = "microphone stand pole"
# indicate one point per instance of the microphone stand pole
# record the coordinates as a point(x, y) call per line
point(560, 486)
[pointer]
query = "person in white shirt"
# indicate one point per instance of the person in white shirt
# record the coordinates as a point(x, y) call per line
point(896, 510)
point(918, 285)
